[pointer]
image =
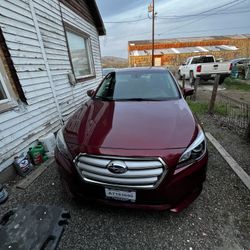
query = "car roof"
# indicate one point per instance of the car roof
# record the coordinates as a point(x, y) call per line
point(239, 59)
point(140, 69)
point(108, 68)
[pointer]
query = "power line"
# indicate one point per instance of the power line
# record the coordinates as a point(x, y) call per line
point(153, 32)
point(221, 6)
point(186, 32)
point(200, 18)
point(210, 14)
point(129, 21)
point(232, 3)
point(132, 31)
point(201, 15)
point(125, 35)
point(205, 30)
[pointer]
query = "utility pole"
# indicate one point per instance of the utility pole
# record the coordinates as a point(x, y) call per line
point(153, 34)
point(151, 8)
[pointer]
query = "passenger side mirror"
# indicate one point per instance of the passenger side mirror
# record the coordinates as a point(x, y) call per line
point(90, 92)
point(188, 92)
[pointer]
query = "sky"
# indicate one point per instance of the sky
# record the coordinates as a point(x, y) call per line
point(127, 20)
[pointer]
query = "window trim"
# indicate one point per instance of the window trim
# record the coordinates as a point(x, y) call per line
point(87, 38)
point(5, 88)
point(10, 76)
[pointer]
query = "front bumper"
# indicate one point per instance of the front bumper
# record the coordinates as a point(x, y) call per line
point(176, 191)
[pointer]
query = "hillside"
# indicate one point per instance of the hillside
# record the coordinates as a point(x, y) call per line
point(114, 62)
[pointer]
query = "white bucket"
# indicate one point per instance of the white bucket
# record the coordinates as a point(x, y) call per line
point(49, 143)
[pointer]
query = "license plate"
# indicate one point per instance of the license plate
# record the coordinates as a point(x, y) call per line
point(120, 195)
point(213, 75)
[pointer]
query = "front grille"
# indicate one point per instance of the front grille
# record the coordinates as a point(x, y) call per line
point(145, 173)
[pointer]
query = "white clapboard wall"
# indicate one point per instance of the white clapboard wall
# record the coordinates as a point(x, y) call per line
point(33, 29)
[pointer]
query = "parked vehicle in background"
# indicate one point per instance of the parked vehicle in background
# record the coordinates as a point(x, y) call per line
point(240, 61)
point(135, 143)
point(241, 68)
point(204, 67)
point(105, 71)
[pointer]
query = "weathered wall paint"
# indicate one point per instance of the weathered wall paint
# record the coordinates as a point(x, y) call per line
point(20, 127)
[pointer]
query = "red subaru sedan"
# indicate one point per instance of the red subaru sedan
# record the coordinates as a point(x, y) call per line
point(134, 143)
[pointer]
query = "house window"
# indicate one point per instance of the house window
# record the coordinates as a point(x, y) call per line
point(80, 53)
point(4, 92)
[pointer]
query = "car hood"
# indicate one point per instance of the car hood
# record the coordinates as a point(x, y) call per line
point(132, 125)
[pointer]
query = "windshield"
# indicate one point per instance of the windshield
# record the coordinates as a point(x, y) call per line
point(138, 85)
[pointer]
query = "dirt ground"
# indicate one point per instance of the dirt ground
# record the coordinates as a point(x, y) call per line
point(237, 146)
point(219, 219)
point(205, 90)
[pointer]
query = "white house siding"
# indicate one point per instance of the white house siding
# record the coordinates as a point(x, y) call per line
point(24, 125)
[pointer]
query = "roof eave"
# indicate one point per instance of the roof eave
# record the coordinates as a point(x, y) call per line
point(97, 17)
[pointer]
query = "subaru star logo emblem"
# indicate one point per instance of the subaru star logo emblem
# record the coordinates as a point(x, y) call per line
point(117, 167)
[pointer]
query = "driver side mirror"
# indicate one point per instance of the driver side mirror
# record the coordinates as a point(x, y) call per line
point(90, 92)
point(188, 92)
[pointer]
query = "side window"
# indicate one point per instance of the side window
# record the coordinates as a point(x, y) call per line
point(105, 87)
point(197, 60)
point(193, 61)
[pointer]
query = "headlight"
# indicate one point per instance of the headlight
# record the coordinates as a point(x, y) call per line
point(195, 151)
point(61, 144)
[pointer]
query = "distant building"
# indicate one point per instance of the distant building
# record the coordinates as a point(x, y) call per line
point(49, 57)
point(172, 52)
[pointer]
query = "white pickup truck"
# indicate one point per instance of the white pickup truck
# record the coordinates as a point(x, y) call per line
point(204, 67)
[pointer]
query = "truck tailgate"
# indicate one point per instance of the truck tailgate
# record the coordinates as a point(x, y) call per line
point(213, 68)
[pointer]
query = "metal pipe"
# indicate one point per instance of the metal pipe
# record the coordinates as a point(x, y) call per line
point(40, 40)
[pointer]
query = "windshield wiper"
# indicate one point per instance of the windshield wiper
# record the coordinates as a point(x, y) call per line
point(104, 98)
point(137, 99)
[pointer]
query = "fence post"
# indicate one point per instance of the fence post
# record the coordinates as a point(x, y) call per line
point(183, 81)
point(248, 131)
point(196, 83)
point(214, 93)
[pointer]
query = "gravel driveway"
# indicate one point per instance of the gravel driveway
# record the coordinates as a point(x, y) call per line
point(218, 219)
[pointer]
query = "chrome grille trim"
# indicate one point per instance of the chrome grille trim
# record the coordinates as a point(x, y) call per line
point(142, 173)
